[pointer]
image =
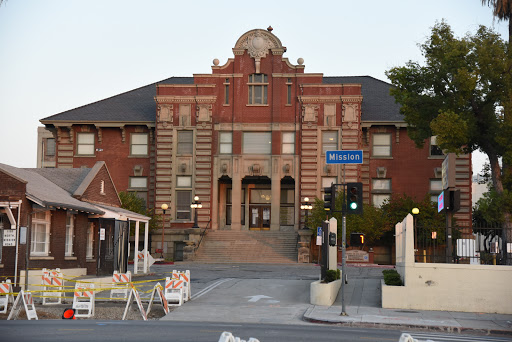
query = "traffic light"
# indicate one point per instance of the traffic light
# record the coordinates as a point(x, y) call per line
point(330, 197)
point(356, 239)
point(355, 198)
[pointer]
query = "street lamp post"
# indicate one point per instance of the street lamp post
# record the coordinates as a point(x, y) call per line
point(164, 208)
point(196, 205)
point(306, 206)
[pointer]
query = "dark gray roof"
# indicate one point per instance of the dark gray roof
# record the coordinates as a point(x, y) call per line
point(137, 105)
point(378, 104)
point(45, 192)
point(67, 179)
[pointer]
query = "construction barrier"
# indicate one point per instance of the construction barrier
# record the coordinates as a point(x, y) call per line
point(160, 291)
point(28, 303)
point(6, 296)
point(174, 291)
point(52, 280)
point(135, 293)
point(226, 336)
point(185, 277)
point(83, 300)
point(120, 285)
point(141, 256)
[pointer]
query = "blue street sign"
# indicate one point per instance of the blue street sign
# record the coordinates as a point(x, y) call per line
point(344, 157)
point(319, 231)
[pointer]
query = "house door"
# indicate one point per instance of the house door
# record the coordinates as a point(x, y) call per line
point(260, 217)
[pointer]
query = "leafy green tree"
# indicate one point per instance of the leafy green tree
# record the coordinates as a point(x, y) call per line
point(459, 96)
point(131, 202)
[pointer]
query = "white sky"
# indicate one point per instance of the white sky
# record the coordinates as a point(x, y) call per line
point(56, 55)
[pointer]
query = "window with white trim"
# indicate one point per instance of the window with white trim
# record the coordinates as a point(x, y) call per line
point(329, 141)
point(90, 241)
point(381, 191)
point(50, 147)
point(85, 144)
point(185, 142)
point(435, 150)
point(288, 142)
point(139, 186)
point(70, 231)
point(257, 143)
point(183, 201)
point(225, 142)
point(381, 145)
point(258, 84)
point(139, 144)
point(40, 238)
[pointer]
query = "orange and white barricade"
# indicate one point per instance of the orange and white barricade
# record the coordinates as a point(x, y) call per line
point(185, 276)
point(83, 300)
point(28, 303)
point(120, 285)
point(6, 296)
point(174, 291)
point(140, 260)
point(52, 280)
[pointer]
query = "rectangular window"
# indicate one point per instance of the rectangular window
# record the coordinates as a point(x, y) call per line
point(40, 240)
point(90, 241)
point(381, 145)
point(70, 231)
point(185, 142)
point(85, 144)
point(379, 199)
point(287, 209)
point(327, 181)
point(183, 201)
point(184, 181)
point(288, 142)
point(257, 143)
point(436, 187)
point(229, 206)
point(435, 150)
point(50, 147)
point(138, 182)
point(226, 91)
point(258, 84)
point(381, 185)
point(329, 141)
point(226, 142)
point(289, 91)
point(139, 144)
point(381, 191)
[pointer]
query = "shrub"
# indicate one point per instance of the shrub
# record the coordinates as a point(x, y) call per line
point(392, 278)
point(332, 275)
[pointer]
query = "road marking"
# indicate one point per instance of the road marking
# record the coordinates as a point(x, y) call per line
point(209, 288)
point(256, 298)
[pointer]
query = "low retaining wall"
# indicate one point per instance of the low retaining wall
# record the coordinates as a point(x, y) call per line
point(452, 287)
point(324, 293)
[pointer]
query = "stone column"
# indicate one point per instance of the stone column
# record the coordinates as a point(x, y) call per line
point(276, 196)
point(236, 197)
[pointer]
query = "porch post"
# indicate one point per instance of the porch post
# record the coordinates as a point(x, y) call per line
point(146, 236)
point(136, 248)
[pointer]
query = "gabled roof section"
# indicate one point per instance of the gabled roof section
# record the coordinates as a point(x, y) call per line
point(46, 193)
point(134, 106)
point(67, 179)
point(378, 105)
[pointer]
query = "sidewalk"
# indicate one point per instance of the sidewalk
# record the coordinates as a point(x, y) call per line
point(363, 308)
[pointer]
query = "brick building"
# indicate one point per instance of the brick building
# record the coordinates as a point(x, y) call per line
point(249, 140)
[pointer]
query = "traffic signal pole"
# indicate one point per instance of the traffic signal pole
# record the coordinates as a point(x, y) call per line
point(343, 245)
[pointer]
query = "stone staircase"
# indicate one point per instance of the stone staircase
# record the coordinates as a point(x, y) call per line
point(228, 246)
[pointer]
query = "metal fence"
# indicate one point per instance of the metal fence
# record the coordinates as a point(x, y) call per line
point(478, 245)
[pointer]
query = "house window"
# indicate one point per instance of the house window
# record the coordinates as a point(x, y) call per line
point(381, 191)
point(90, 241)
point(436, 187)
point(40, 241)
point(435, 150)
point(139, 185)
point(289, 91)
point(381, 145)
point(183, 181)
point(85, 144)
point(229, 206)
point(226, 91)
point(139, 144)
point(70, 230)
point(185, 142)
point(287, 209)
point(50, 147)
point(257, 143)
point(183, 201)
point(258, 84)
point(329, 141)
point(288, 142)
point(226, 142)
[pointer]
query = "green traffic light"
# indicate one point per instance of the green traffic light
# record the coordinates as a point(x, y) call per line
point(353, 205)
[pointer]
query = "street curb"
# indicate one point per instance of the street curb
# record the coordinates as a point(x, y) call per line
point(442, 329)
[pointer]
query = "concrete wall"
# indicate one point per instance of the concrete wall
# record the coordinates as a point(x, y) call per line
point(446, 287)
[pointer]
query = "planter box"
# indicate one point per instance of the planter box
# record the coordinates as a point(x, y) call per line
point(324, 293)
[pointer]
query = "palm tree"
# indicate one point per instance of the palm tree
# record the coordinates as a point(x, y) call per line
point(502, 9)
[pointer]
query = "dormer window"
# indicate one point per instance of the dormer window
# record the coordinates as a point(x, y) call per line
point(258, 84)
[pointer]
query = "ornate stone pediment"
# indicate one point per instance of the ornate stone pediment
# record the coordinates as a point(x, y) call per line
point(257, 43)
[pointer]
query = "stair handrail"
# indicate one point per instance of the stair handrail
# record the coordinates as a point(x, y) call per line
point(203, 233)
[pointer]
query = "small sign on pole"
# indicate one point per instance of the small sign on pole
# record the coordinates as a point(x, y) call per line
point(9, 238)
point(319, 236)
point(344, 157)
point(102, 233)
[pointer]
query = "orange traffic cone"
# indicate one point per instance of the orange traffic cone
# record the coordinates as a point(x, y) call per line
point(69, 314)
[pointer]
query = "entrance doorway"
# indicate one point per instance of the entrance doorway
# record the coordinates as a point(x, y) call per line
point(260, 217)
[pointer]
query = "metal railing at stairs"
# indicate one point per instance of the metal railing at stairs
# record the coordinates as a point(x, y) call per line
point(203, 233)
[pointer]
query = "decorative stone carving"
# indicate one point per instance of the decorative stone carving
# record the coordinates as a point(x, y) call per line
point(123, 134)
point(286, 168)
point(100, 134)
point(309, 113)
point(329, 114)
point(185, 112)
point(204, 112)
point(349, 112)
point(381, 172)
point(257, 43)
point(165, 113)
